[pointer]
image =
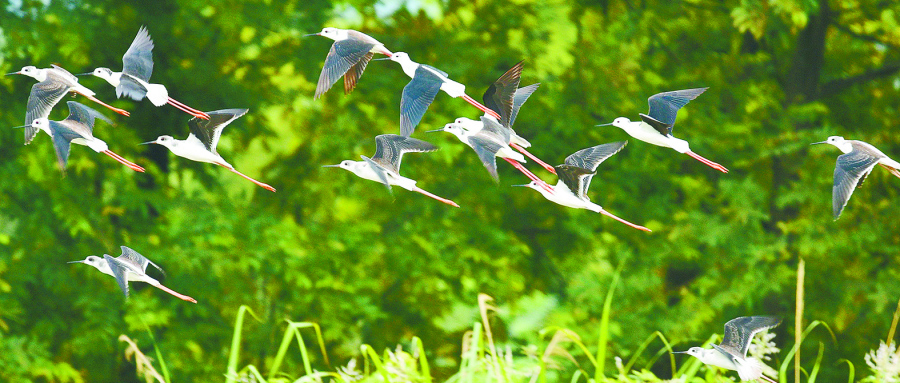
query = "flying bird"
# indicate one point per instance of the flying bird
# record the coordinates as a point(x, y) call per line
point(134, 79)
point(129, 267)
point(384, 166)
point(53, 84)
point(852, 167)
point(426, 83)
point(201, 144)
point(78, 128)
point(731, 354)
point(656, 128)
point(348, 57)
point(575, 179)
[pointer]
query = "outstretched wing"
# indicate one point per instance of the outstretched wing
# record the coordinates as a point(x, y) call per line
point(389, 149)
point(137, 260)
point(85, 115)
point(341, 57)
point(499, 96)
point(138, 59)
point(522, 95)
point(739, 332)
point(128, 86)
point(493, 130)
point(62, 141)
point(119, 270)
point(487, 153)
point(417, 96)
point(209, 131)
point(378, 171)
point(850, 169)
point(43, 97)
point(664, 106)
point(356, 71)
point(590, 158)
point(576, 178)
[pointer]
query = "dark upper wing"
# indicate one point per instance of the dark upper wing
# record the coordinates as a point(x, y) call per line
point(848, 172)
point(62, 141)
point(499, 96)
point(138, 59)
point(84, 115)
point(378, 170)
point(493, 130)
point(659, 126)
point(575, 178)
point(389, 149)
point(521, 96)
point(590, 158)
point(664, 106)
point(740, 331)
point(343, 55)
point(423, 66)
point(118, 270)
point(139, 261)
point(417, 96)
point(128, 86)
point(43, 97)
point(209, 131)
point(62, 72)
point(487, 152)
point(352, 76)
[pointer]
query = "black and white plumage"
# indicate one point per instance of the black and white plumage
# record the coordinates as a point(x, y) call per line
point(384, 166)
point(852, 167)
point(129, 267)
point(731, 354)
point(348, 57)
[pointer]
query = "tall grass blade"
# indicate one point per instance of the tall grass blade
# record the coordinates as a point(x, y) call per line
point(815, 370)
point(159, 357)
point(574, 338)
point(604, 326)
point(293, 329)
point(423, 360)
point(644, 346)
point(890, 337)
point(231, 372)
point(782, 371)
point(798, 316)
point(369, 353)
point(496, 360)
point(253, 371)
point(575, 376)
point(852, 369)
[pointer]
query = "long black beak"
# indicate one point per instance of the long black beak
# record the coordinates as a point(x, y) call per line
point(85, 74)
point(312, 34)
point(20, 127)
point(148, 142)
point(81, 261)
point(822, 142)
point(604, 124)
point(679, 352)
point(524, 186)
point(382, 59)
point(436, 130)
point(9, 74)
point(331, 166)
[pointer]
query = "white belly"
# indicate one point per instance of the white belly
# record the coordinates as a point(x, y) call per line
point(646, 133)
point(197, 152)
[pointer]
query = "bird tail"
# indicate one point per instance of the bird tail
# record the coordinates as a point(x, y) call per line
point(749, 369)
point(157, 94)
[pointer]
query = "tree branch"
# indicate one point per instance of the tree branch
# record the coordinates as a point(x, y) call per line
point(835, 86)
point(861, 36)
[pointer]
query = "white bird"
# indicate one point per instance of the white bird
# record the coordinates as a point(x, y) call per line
point(426, 83)
point(384, 166)
point(853, 166)
point(129, 267)
point(78, 128)
point(134, 79)
point(731, 354)
point(348, 57)
point(53, 84)
point(656, 128)
point(575, 179)
point(201, 144)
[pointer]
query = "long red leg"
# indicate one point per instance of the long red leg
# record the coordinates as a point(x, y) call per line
point(195, 112)
point(479, 106)
point(125, 162)
point(893, 171)
point(114, 109)
point(181, 296)
point(707, 162)
point(444, 200)
point(766, 378)
point(528, 173)
point(264, 186)
point(533, 158)
point(608, 214)
point(188, 111)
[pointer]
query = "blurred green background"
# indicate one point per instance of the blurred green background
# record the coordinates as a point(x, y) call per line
point(376, 268)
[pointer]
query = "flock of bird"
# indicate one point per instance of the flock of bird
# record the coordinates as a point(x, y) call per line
point(491, 136)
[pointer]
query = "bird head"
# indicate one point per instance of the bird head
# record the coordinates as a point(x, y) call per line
point(345, 164)
point(697, 352)
point(468, 124)
point(92, 260)
point(104, 73)
point(452, 127)
point(399, 57)
point(541, 187)
point(42, 124)
point(333, 33)
point(166, 141)
point(621, 122)
point(32, 71)
point(839, 142)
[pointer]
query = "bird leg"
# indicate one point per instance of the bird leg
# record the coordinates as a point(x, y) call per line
point(184, 108)
point(264, 186)
point(180, 296)
point(893, 171)
point(528, 173)
point(707, 162)
point(478, 105)
point(608, 214)
point(766, 378)
point(131, 165)
point(444, 200)
point(533, 158)
point(114, 109)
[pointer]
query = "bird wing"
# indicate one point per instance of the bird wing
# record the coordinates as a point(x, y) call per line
point(139, 261)
point(499, 97)
point(118, 269)
point(426, 67)
point(343, 55)
point(43, 97)
point(664, 106)
point(665, 130)
point(590, 158)
point(138, 59)
point(739, 332)
point(64, 73)
point(389, 149)
point(84, 115)
point(417, 96)
point(352, 76)
point(209, 131)
point(849, 172)
point(576, 178)
point(521, 96)
point(493, 130)
point(62, 135)
point(487, 151)
point(128, 86)
point(378, 170)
